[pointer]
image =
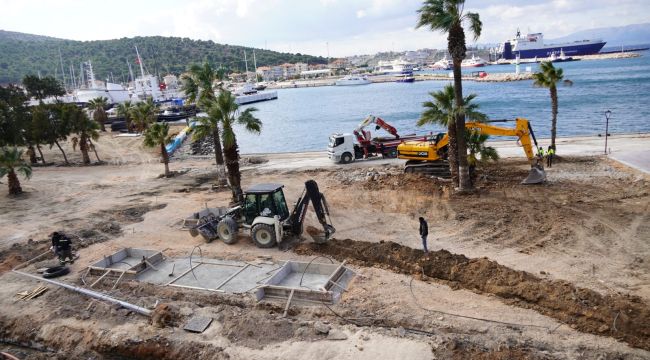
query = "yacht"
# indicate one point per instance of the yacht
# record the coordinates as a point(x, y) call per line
point(247, 94)
point(473, 62)
point(353, 80)
point(443, 64)
point(398, 66)
point(114, 93)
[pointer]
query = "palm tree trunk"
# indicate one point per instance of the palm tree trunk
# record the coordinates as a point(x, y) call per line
point(38, 147)
point(452, 152)
point(165, 158)
point(234, 176)
point(14, 184)
point(32, 154)
point(218, 154)
point(83, 146)
point(457, 50)
point(92, 146)
point(554, 106)
point(62, 152)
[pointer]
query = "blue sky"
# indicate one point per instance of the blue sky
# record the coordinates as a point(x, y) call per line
point(345, 27)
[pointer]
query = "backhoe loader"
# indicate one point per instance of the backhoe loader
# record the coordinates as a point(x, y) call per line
point(265, 213)
point(430, 157)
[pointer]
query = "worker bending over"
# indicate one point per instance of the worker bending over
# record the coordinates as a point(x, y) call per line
point(62, 247)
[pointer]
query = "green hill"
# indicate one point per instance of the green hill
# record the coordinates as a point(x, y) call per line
point(23, 54)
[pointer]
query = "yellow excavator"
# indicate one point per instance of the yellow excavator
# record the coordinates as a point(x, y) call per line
point(430, 157)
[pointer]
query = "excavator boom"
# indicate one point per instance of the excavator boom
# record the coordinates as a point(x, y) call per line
point(425, 156)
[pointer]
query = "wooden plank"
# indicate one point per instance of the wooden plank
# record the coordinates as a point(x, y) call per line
point(195, 288)
point(100, 278)
point(183, 274)
point(286, 307)
point(118, 281)
point(232, 276)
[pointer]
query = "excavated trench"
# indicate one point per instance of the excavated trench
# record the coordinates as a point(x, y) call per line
point(623, 317)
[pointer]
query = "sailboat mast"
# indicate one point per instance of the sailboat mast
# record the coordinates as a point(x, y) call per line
point(139, 61)
point(255, 65)
point(62, 69)
point(246, 62)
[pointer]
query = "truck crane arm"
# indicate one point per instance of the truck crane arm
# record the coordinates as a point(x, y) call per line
point(297, 217)
point(371, 119)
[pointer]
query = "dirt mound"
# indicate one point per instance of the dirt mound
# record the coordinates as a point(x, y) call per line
point(623, 317)
point(131, 214)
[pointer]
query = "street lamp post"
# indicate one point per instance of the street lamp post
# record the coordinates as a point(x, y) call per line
point(608, 113)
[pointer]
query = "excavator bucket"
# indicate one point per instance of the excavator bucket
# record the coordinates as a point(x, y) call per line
point(537, 175)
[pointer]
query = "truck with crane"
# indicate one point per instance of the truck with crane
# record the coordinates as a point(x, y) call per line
point(430, 156)
point(342, 148)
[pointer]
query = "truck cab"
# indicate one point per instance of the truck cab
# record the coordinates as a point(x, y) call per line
point(340, 148)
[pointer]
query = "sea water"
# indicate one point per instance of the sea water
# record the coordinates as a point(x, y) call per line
point(301, 119)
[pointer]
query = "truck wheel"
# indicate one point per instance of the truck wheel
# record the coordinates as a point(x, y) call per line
point(346, 158)
point(264, 235)
point(227, 230)
point(392, 153)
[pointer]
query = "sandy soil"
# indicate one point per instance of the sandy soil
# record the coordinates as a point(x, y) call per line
point(587, 227)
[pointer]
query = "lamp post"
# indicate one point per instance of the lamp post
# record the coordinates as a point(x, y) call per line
point(608, 113)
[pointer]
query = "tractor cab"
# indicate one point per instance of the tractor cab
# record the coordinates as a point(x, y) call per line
point(265, 200)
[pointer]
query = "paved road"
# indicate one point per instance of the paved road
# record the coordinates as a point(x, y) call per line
point(639, 160)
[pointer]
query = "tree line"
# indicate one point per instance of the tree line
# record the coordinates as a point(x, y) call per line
point(161, 55)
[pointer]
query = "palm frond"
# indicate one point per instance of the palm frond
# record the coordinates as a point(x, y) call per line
point(475, 24)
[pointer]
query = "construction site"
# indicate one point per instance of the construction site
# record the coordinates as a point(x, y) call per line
point(168, 268)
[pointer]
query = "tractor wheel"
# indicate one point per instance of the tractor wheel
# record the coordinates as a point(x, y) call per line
point(264, 235)
point(227, 230)
point(346, 158)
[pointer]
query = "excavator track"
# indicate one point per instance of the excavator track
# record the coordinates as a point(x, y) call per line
point(439, 168)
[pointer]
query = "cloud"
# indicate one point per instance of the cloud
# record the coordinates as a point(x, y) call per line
point(350, 27)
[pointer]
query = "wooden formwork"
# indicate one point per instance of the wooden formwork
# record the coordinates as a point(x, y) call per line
point(327, 291)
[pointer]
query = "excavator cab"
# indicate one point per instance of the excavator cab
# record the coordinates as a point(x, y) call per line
point(265, 200)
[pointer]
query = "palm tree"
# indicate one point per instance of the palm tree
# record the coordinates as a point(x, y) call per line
point(198, 86)
point(548, 77)
point(478, 151)
point(98, 105)
point(124, 109)
point(84, 128)
point(158, 135)
point(224, 110)
point(143, 114)
point(11, 161)
point(448, 16)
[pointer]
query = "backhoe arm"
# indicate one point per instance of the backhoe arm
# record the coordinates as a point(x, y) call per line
point(297, 218)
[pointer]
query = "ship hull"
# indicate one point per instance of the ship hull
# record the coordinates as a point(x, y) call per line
point(569, 50)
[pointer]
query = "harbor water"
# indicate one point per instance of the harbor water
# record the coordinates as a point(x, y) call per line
point(301, 119)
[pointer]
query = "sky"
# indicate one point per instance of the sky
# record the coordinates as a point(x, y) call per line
point(332, 28)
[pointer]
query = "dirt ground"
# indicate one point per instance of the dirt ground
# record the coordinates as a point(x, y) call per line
point(560, 270)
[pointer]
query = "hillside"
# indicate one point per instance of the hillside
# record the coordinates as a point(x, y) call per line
point(23, 54)
point(615, 36)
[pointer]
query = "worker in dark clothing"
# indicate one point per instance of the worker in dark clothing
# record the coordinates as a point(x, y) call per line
point(62, 246)
point(424, 232)
point(550, 153)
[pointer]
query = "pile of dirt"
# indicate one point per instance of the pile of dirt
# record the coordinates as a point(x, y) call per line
point(131, 214)
point(623, 317)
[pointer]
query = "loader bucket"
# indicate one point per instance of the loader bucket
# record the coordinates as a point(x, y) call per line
point(537, 175)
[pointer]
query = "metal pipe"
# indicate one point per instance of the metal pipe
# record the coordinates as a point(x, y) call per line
point(607, 114)
point(93, 294)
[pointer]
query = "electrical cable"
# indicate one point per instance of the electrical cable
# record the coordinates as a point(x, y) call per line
point(191, 267)
point(472, 317)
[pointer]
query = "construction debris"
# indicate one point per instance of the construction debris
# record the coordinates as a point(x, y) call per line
point(31, 294)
